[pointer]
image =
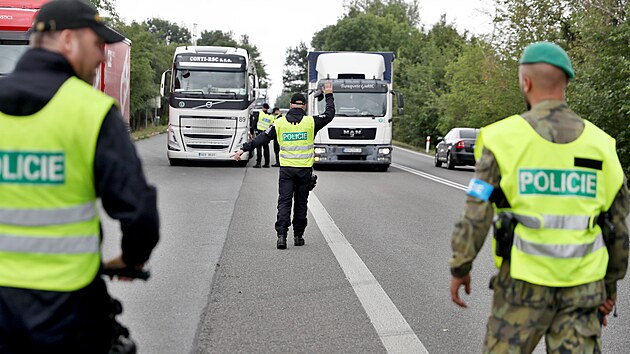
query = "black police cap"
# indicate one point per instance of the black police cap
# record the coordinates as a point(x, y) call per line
point(58, 15)
point(298, 98)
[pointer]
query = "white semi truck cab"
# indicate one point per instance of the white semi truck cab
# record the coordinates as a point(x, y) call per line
point(361, 132)
point(210, 98)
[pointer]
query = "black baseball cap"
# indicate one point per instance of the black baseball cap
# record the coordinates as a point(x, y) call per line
point(73, 14)
point(298, 98)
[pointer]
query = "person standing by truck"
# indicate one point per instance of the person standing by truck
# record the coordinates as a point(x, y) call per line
point(276, 148)
point(296, 137)
point(63, 144)
point(262, 122)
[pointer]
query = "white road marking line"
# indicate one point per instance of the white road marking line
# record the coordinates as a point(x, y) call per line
point(413, 152)
point(391, 327)
point(431, 177)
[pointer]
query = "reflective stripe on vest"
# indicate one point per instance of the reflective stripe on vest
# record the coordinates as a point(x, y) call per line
point(49, 245)
point(49, 227)
point(559, 251)
point(297, 142)
point(566, 222)
point(43, 217)
point(557, 242)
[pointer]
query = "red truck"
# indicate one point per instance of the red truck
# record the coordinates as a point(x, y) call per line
point(16, 19)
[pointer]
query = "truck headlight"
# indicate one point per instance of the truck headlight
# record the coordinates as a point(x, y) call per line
point(384, 151)
point(172, 140)
point(320, 150)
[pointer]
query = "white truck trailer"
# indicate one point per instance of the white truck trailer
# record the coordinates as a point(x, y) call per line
point(210, 98)
point(361, 132)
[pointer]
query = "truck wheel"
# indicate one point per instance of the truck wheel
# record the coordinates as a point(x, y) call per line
point(450, 164)
point(438, 163)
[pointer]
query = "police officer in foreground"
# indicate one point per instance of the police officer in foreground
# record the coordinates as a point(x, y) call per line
point(262, 122)
point(296, 137)
point(561, 239)
point(64, 144)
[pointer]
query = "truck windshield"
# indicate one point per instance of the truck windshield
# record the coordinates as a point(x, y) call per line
point(210, 82)
point(358, 104)
point(10, 53)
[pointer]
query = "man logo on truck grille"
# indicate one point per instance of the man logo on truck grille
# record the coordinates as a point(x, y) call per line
point(294, 136)
point(32, 167)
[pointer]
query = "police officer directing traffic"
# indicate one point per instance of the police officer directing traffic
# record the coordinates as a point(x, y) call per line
point(561, 239)
point(64, 144)
point(296, 136)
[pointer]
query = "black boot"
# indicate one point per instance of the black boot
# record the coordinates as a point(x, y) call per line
point(282, 242)
point(257, 165)
point(298, 240)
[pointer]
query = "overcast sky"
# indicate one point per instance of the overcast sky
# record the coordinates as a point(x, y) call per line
point(275, 25)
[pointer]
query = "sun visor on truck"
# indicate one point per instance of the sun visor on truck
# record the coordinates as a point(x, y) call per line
point(213, 62)
point(374, 86)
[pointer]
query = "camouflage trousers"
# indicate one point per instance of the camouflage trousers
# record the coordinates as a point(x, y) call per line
point(522, 313)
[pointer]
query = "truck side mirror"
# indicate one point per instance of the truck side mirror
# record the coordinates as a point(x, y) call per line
point(162, 83)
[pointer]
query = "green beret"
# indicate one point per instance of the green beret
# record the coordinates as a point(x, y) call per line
point(545, 52)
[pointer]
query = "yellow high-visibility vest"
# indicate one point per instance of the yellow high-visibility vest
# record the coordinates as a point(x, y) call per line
point(264, 120)
point(296, 142)
point(556, 192)
point(49, 224)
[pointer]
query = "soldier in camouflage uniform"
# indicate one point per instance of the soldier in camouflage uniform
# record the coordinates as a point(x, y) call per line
point(523, 312)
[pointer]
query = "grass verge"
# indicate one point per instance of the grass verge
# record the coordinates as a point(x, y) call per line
point(148, 132)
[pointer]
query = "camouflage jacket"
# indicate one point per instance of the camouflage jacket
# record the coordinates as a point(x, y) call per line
point(554, 121)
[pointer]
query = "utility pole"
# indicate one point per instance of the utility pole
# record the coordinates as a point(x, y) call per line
point(194, 34)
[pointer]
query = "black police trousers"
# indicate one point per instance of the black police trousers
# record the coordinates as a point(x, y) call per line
point(51, 322)
point(293, 187)
point(264, 148)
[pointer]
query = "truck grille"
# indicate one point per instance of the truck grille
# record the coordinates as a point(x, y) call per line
point(352, 133)
point(208, 133)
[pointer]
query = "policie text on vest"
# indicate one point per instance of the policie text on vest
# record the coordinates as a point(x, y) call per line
point(558, 182)
point(32, 167)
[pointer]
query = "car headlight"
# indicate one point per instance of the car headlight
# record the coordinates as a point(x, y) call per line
point(384, 151)
point(320, 150)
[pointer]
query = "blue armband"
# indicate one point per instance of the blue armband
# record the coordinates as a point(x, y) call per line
point(480, 189)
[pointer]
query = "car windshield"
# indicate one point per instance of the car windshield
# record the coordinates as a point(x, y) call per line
point(468, 133)
point(209, 82)
point(10, 53)
point(358, 104)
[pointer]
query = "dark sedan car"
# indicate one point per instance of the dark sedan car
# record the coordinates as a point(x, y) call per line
point(456, 148)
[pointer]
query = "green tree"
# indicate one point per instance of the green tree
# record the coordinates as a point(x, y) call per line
point(421, 76)
point(108, 7)
point(168, 32)
point(601, 89)
point(217, 38)
point(143, 76)
point(294, 76)
point(482, 88)
point(283, 100)
point(254, 54)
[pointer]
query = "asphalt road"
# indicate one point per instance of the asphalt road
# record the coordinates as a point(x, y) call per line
point(220, 286)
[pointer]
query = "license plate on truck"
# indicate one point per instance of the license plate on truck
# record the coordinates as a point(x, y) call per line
point(206, 154)
point(352, 150)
